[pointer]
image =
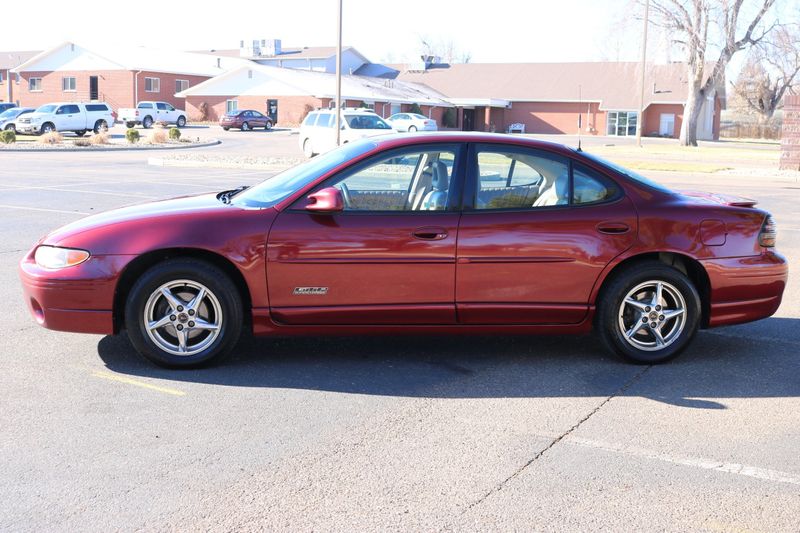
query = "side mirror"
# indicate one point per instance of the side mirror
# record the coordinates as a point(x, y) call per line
point(327, 200)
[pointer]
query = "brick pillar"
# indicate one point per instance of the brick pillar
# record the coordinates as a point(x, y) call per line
point(790, 135)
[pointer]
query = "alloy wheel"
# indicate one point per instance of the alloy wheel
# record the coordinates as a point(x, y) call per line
point(652, 315)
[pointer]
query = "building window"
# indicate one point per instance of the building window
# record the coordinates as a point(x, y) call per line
point(622, 123)
point(181, 85)
point(231, 106)
point(152, 85)
point(35, 84)
point(68, 84)
point(1, 76)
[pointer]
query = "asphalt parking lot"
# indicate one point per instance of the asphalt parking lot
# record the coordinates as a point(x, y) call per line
point(401, 433)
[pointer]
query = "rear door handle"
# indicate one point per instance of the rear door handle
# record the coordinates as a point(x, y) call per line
point(612, 228)
point(430, 233)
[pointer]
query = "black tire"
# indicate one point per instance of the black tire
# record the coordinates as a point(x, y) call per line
point(308, 149)
point(80, 133)
point(245, 126)
point(11, 127)
point(181, 121)
point(225, 128)
point(223, 306)
point(147, 122)
point(100, 125)
point(268, 125)
point(614, 320)
point(412, 129)
point(130, 125)
point(47, 127)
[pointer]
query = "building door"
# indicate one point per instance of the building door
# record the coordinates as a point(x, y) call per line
point(94, 92)
point(666, 127)
point(272, 110)
point(468, 123)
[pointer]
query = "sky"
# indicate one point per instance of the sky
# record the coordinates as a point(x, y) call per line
point(382, 30)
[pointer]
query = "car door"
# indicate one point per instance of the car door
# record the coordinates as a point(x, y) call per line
point(162, 113)
point(537, 230)
point(387, 258)
point(258, 119)
point(69, 117)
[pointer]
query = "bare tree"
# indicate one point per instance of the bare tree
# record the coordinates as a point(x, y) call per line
point(771, 71)
point(689, 22)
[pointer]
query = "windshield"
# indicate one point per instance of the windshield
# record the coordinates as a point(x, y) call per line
point(272, 190)
point(366, 122)
point(11, 113)
point(49, 108)
point(626, 172)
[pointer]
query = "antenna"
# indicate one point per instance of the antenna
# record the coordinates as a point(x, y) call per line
point(580, 116)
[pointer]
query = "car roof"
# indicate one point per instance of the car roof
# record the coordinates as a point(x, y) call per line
point(402, 139)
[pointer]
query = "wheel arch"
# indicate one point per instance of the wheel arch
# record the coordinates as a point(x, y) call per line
point(686, 264)
point(142, 263)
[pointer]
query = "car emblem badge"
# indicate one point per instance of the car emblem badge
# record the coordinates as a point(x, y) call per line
point(310, 291)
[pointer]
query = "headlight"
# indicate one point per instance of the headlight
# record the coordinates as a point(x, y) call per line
point(53, 257)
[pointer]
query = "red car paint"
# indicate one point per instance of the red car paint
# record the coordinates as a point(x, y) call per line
point(531, 271)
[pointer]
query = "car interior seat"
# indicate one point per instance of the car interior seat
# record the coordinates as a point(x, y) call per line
point(436, 199)
point(555, 194)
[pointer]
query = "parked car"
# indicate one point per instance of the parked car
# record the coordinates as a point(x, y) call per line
point(148, 113)
point(4, 106)
point(318, 130)
point(9, 117)
point(245, 120)
point(67, 116)
point(362, 240)
point(412, 122)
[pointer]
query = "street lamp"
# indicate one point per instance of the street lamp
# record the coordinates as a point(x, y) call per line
point(339, 75)
point(640, 118)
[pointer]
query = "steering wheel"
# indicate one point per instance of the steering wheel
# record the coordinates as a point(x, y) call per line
point(346, 195)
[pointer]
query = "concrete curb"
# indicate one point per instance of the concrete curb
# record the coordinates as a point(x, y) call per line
point(86, 149)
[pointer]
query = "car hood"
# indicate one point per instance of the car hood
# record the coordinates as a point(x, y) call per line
point(151, 216)
point(34, 116)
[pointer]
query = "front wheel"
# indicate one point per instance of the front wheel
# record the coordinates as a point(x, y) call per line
point(130, 125)
point(412, 129)
point(308, 150)
point(11, 127)
point(147, 122)
point(181, 121)
point(648, 313)
point(184, 313)
point(268, 125)
point(47, 127)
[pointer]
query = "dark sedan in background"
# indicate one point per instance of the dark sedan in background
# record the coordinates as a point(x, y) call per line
point(245, 120)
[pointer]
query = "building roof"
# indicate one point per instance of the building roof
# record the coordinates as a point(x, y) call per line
point(615, 85)
point(12, 59)
point(71, 56)
point(264, 80)
point(304, 52)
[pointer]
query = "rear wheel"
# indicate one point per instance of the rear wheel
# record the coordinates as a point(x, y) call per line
point(308, 150)
point(130, 124)
point(100, 126)
point(147, 122)
point(226, 128)
point(648, 313)
point(412, 129)
point(80, 133)
point(184, 313)
point(245, 126)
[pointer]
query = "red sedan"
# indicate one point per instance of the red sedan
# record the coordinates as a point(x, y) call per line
point(245, 120)
point(444, 233)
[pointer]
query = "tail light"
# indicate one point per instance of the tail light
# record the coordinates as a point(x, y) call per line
point(137, 113)
point(768, 233)
point(114, 115)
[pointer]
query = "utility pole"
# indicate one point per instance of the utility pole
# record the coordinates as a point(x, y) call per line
point(339, 75)
point(640, 118)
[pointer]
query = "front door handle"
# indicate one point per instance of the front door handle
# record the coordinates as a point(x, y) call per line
point(430, 233)
point(613, 228)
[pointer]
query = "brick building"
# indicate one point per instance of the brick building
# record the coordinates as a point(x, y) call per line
point(549, 97)
point(289, 94)
point(119, 76)
point(9, 81)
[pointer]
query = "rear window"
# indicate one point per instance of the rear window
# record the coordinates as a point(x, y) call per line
point(96, 107)
point(145, 106)
point(366, 122)
point(325, 120)
point(626, 172)
point(311, 119)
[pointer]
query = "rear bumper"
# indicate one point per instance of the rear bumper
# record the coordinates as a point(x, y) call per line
point(78, 299)
point(744, 289)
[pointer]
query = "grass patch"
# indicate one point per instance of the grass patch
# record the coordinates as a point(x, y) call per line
point(671, 166)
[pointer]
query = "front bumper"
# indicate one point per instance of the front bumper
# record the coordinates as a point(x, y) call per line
point(744, 289)
point(28, 128)
point(78, 299)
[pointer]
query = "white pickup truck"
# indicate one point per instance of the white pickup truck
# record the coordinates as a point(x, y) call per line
point(67, 116)
point(147, 113)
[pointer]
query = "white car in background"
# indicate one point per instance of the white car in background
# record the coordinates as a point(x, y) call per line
point(318, 130)
point(67, 116)
point(148, 113)
point(412, 122)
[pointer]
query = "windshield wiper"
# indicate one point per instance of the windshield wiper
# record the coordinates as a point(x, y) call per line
point(225, 196)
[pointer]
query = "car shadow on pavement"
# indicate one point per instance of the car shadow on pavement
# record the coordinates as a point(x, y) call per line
point(750, 361)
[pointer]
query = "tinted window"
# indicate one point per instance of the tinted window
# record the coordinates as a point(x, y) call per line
point(67, 110)
point(145, 106)
point(626, 172)
point(310, 119)
point(589, 188)
point(256, 114)
point(325, 120)
point(414, 180)
point(96, 107)
point(161, 106)
point(366, 122)
point(520, 179)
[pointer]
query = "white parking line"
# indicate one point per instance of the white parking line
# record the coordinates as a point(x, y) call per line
point(23, 208)
point(765, 474)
